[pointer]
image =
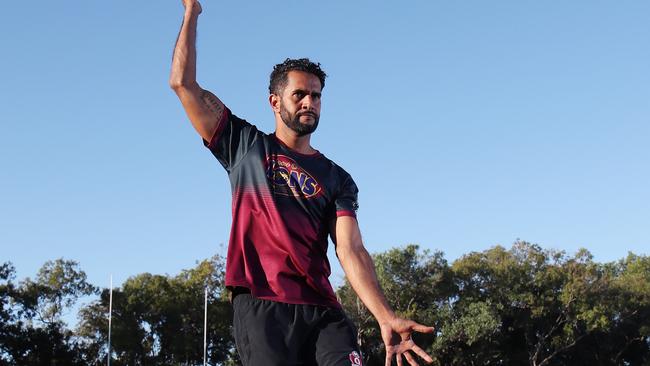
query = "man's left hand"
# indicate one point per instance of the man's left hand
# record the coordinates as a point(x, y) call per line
point(397, 338)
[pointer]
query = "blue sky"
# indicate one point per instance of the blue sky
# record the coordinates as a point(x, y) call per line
point(465, 124)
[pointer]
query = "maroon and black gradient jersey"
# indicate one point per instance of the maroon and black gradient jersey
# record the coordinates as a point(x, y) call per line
point(282, 206)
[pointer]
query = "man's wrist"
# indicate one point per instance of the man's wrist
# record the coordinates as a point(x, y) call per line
point(386, 317)
point(192, 11)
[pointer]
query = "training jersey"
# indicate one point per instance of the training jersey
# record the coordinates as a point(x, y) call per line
point(282, 205)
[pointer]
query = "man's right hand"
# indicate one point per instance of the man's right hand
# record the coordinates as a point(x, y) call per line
point(193, 5)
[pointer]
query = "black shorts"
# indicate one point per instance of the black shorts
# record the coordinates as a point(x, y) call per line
point(273, 333)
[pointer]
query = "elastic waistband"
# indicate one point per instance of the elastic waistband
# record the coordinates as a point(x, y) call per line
point(238, 290)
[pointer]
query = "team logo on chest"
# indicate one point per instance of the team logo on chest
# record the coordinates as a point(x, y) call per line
point(289, 179)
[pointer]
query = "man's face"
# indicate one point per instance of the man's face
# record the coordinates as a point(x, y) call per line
point(300, 102)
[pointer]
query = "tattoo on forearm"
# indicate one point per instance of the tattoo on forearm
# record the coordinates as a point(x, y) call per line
point(215, 106)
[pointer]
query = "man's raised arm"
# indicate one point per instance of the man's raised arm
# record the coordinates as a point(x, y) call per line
point(203, 108)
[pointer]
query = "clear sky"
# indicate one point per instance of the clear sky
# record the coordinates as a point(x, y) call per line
point(466, 124)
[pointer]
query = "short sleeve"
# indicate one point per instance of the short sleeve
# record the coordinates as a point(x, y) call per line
point(232, 140)
point(346, 201)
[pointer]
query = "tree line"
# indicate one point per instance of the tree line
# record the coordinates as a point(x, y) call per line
point(520, 306)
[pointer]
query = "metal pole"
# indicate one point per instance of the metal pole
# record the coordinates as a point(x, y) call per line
point(110, 315)
point(205, 329)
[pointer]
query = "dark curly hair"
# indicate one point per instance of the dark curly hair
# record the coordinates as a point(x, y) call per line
point(280, 71)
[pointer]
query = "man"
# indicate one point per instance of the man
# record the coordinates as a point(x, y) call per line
point(287, 198)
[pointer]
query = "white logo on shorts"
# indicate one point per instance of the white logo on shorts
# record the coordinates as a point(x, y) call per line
point(355, 358)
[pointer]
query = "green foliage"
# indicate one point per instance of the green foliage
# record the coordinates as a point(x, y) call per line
point(525, 305)
point(58, 286)
point(518, 306)
point(31, 331)
point(159, 319)
point(479, 322)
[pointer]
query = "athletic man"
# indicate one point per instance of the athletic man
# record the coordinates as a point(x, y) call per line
point(287, 198)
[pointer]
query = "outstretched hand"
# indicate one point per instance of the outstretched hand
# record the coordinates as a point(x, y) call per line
point(397, 338)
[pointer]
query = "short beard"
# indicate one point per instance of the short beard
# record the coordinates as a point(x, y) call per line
point(293, 122)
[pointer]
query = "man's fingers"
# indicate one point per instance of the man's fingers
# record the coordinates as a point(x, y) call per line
point(421, 353)
point(422, 328)
point(410, 359)
point(389, 356)
point(399, 359)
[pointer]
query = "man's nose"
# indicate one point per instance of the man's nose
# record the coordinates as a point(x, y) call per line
point(307, 102)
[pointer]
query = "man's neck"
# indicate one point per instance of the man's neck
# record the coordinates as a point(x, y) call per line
point(296, 143)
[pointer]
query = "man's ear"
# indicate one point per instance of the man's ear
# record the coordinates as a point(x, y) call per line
point(274, 101)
